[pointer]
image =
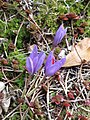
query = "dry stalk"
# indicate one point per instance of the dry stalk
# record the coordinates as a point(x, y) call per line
point(11, 112)
point(66, 88)
point(6, 77)
point(24, 114)
point(20, 112)
point(15, 42)
point(5, 21)
point(48, 97)
point(13, 79)
point(59, 113)
point(84, 109)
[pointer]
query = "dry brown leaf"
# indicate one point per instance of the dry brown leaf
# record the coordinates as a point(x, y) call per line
point(83, 49)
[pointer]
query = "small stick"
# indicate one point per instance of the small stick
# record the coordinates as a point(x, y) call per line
point(5, 21)
point(63, 87)
point(85, 109)
point(18, 33)
point(59, 113)
point(12, 80)
point(11, 112)
point(49, 116)
point(21, 111)
point(66, 88)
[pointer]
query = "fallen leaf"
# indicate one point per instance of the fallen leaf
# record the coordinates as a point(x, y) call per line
point(5, 99)
point(2, 86)
point(83, 49)
point(6, 104)
point(44, 87)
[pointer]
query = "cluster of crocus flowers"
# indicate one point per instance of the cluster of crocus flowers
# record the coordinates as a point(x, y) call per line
point(35, 59)
point(61, 32)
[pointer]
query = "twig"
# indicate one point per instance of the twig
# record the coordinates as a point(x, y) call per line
point(81, 91)
point(36, 83)
point(66, 89)
point(18, 33)
point(59, 113)
point(49, 116)
point(25, 112)
point(68, 7)
point(63, 87)
point(11, 112)
point(21, 111)
point(10, 70)
point(6, 77)
point(5, 21)
point(84, 109)
point(12, 80)
point(80, 71)
point(76, 100)
point(67, 43)
point(86, 7)
point(5, 52)
point(31, 92)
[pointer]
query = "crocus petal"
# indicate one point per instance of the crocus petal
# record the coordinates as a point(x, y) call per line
point(34, 53)
point(41, 58)
point(29, 65)
point(59, 35)
point(49, 59)
point(49, 71)
point(35, 62)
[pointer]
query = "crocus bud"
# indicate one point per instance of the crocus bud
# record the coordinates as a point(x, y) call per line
point(34, 61)
point(59, 35)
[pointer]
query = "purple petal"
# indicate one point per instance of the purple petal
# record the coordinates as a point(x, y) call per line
point(59, 35)
point(49, 59)
point(29, 65)
point(34, 53)
point(41, 58)
point(55, 67)
point(35, 62)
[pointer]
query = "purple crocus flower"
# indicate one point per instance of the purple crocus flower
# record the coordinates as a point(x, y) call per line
point(59, 35)
point(34, 61)
point(51, 67)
